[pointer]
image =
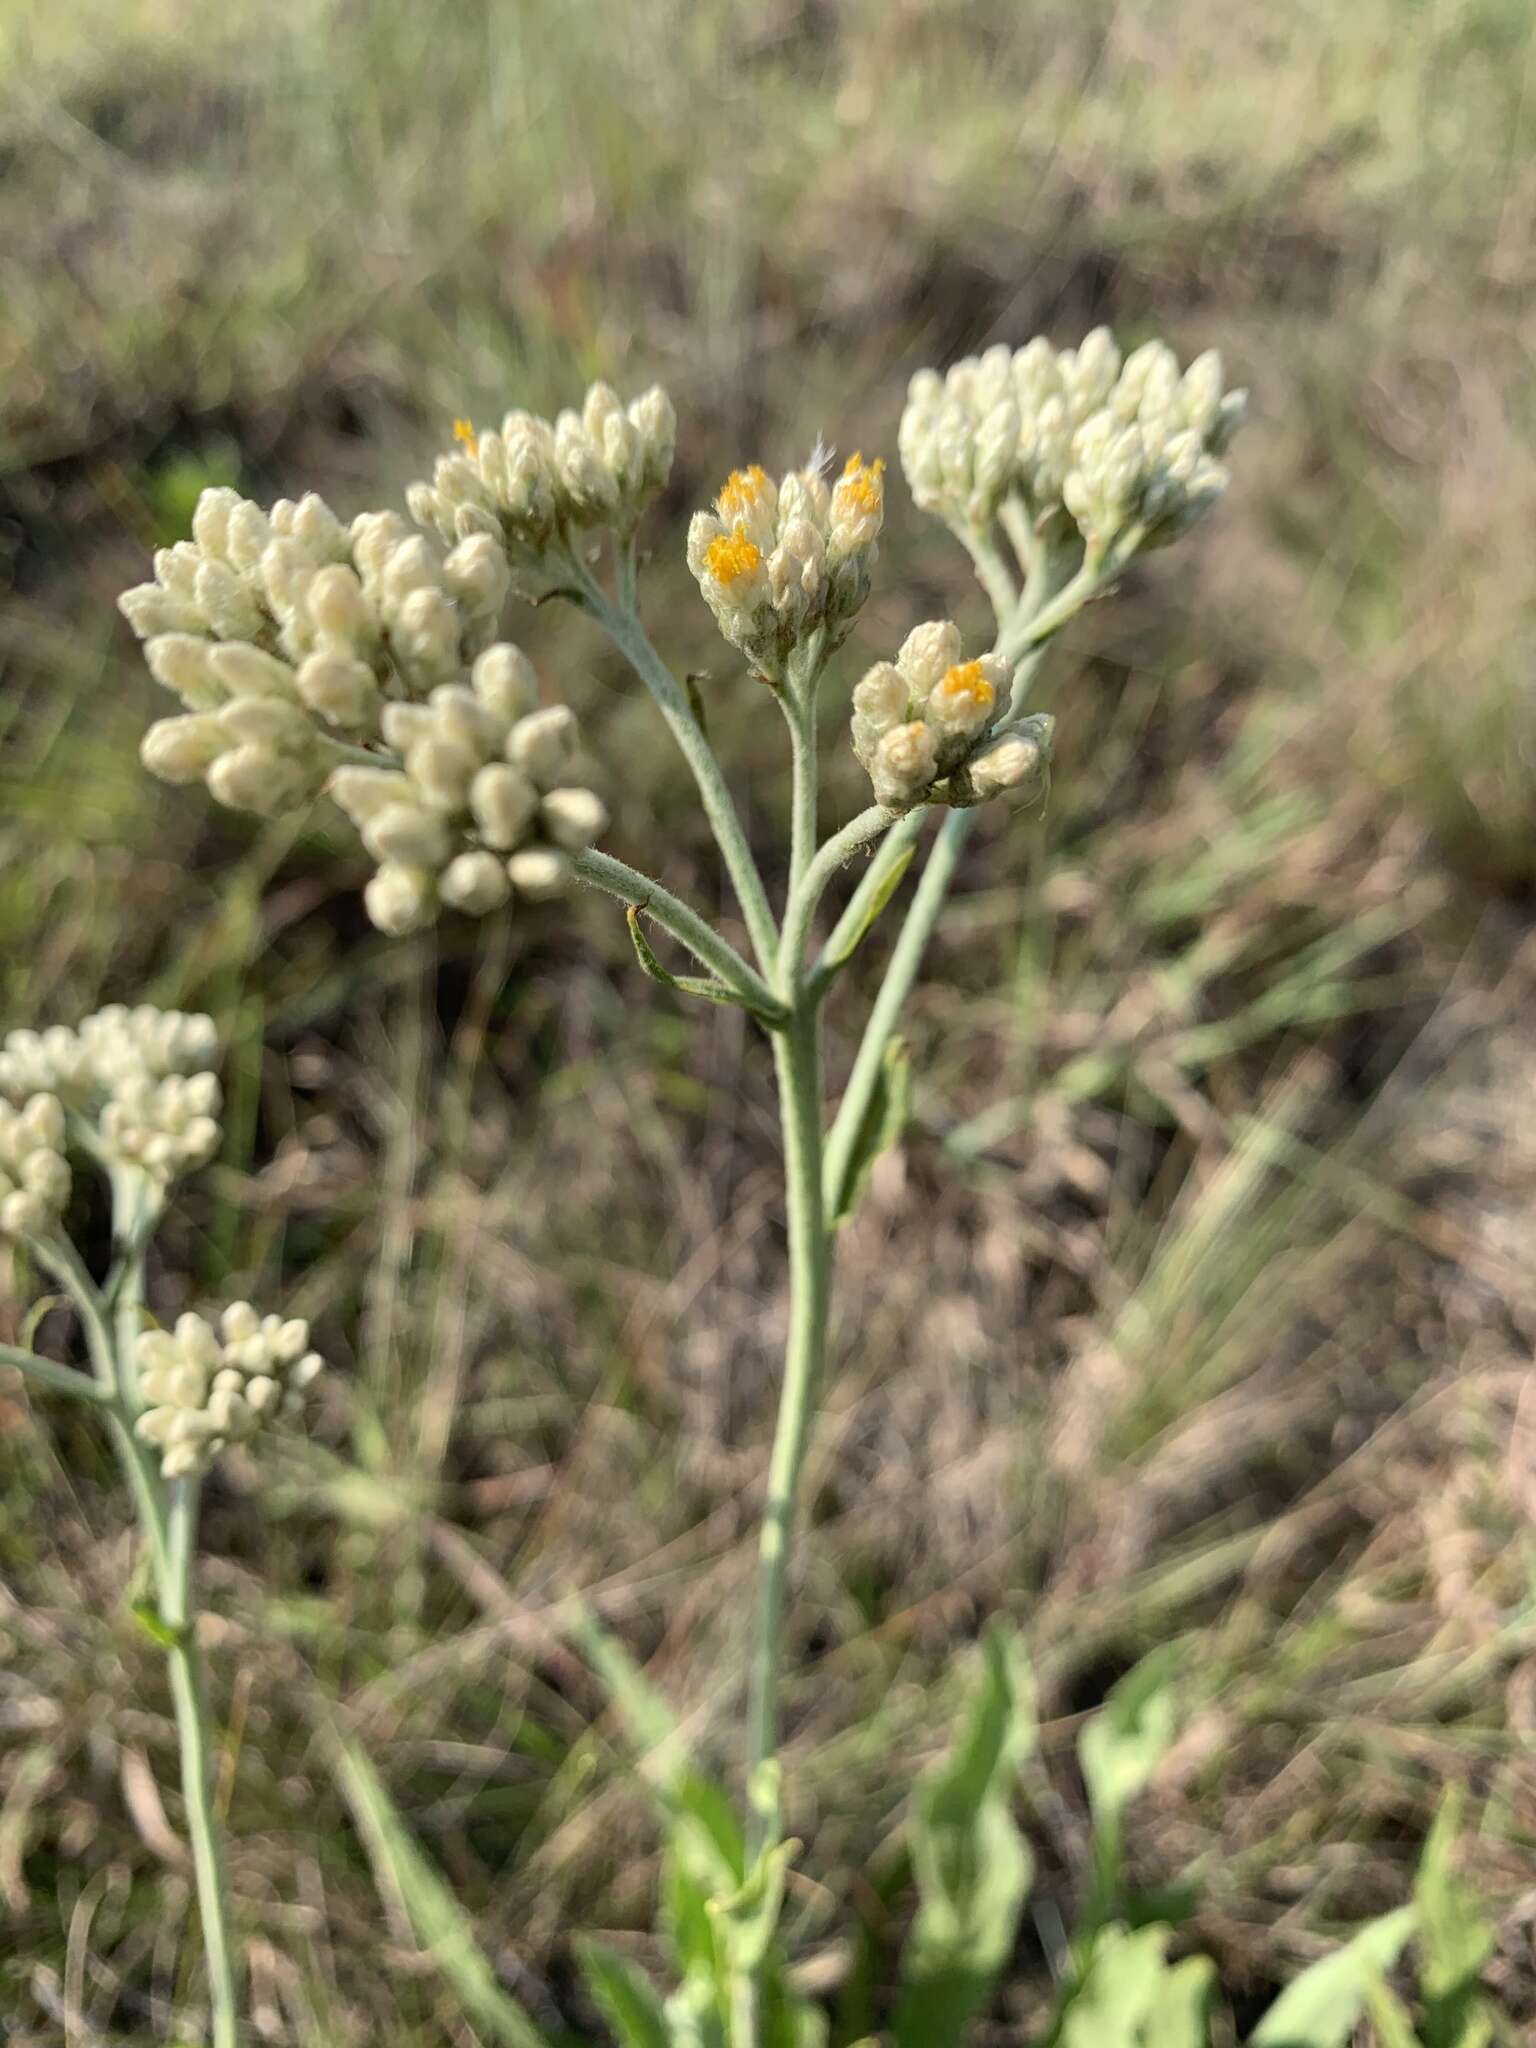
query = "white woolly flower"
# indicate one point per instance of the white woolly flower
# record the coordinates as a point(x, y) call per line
point(916, 719)
point(142, 1077)
point(779, 561)
point(165, 1127)
point(1111, 443)
point(203, 1389)
point(533, 482)
point(278, 629)
point(482, 807)
point(34, 1173)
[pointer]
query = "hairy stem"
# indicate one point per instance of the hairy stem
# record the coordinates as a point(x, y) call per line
point(623, 627)
point(193, 1733)
point(58, 1379)
point(615, 878)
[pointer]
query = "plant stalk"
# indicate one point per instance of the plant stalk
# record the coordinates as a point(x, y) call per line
point(192, 1727)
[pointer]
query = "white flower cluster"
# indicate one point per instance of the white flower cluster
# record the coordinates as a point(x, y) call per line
point(482, 807)
point(34, 1173)
point(278, 628)
point(777, 562)
point(921, 721)
point(144, 1075)
point(203, 1389)
point(534, 482)
point(1112, 442)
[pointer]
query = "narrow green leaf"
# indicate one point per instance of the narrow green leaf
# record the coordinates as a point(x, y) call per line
point(883, 1122)
point(972, 1865)
point(1110, 2006)
point(441, 1925)
point(1455, 1940)
point(623, 1994)
point(890, 883)
point(690, 984)
point(1390, 2016)
point(649, 1722)
point(1320, 2008)
point(1123, 1744)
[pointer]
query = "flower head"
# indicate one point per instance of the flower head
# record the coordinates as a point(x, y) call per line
point(142, 1078)
point(34, 1173)
point(534, 483)
point(282, 630)
point(204, 1388)
point(922, 722)
point(1073, 433)
point(485, 805)
point(777, 562)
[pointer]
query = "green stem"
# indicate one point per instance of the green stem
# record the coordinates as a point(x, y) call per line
point(992, 570)
point(840, 848)
point(58, 1379)
point(895, 849)
point(623, 627)
point(616, 878)
point(797, 1052)
point(192, 1727)
point(906, 958)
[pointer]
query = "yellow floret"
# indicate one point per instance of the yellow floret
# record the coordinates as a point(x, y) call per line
point(464, 433)
point(741, 491)
point(860, 486)
point(730, 556)
point(966, 681)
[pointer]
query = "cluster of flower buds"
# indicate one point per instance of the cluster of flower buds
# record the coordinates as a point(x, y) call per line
point(779, 562)
point(482, 807)
point(1112, 443)
point(277, 629)
point(922, 726)
point(204, 1388)
point(34, 1173)
point(144, 1075)
point(533, 483)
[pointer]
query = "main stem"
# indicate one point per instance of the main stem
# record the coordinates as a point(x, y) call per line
point(192, 1727)
point(168, 1517)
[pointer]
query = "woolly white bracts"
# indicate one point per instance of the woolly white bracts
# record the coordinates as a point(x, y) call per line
point(777, 562)
point(1111, 443)
point(484, 806)
point(916, 718)
point(203, 1389)
point(143, 1077)
point(533, 482)
point(279, 629)
point(34, 1173)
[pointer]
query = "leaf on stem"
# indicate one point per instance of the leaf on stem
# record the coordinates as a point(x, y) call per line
point(1123, 1744)
point(1320, 2008)
point(624, 1996)
point(441, 1925)
point(884, 1120)
point(1131, 1998)
point(973, 1866)
point(834, 963)
point(691, 984)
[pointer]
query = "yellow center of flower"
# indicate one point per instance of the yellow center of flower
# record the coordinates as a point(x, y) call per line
point(730, 556)
point(966, 681)
point(464, 433)
point(859, 489)
point(741, 491)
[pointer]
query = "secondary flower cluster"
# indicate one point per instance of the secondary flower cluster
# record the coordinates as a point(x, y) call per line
point(280, 629)
point(779, 561)
point(34, 1173)
point(919, 722)
point(1110, 442)
point(142, 1077)
point(203, 1389)
point(534, 482)
point(482, 806)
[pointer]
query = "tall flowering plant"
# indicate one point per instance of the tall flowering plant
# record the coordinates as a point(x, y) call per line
point(363, 660)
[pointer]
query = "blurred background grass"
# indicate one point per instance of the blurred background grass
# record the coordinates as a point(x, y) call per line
point(1197, 1303)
